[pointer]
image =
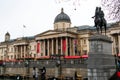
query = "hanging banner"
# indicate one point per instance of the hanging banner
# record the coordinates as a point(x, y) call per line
point(64, 45)
point(38, 47)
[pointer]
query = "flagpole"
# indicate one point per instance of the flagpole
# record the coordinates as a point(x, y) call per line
point(24, 29)
point(24, 53)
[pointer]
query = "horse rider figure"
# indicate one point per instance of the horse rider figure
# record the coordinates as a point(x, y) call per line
point(99, 19)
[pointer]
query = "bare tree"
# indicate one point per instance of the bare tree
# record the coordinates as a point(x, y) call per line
point(113, 7)
point(75, 3)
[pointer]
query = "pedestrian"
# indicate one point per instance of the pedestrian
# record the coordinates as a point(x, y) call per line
point(43, 73)
point(34, 72)
point(36, 75)
point(75, 75)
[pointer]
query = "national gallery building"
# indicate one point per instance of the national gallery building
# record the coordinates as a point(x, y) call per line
point(64, 39)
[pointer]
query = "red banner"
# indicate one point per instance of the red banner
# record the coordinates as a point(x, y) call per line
point(64, 45)
point(38, 47)
point(75, 41)
point(118, 74)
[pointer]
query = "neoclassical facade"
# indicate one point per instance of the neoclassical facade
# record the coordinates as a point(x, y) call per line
point(64, 40)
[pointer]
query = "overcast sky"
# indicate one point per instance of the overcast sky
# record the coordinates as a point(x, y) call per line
point(38, 15)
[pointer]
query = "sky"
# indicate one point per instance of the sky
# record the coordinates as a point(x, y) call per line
point(38, 15)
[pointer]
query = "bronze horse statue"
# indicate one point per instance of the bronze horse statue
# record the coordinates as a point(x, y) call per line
point(99, 20)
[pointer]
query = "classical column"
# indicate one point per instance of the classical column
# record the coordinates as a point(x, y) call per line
point(17, 52)
point(66, 46)
point(119, 42)
point(21, 51)
point(43, 47)
point(70, 47)
point(40, 47)
point(73, 47)
point(56, 45)
point(24, 50)
point(61, 45)
point(48, 47)
point(52, 46)
point(113, 45)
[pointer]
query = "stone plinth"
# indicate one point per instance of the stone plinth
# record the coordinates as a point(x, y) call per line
point(101, 63)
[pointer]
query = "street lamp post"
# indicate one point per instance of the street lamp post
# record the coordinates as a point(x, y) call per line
point(58, 57)
point(27, 62)
point(4, 69)
point(4, 64)
point(27, 68)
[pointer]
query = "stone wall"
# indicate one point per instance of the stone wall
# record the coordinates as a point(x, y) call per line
point(68, 67)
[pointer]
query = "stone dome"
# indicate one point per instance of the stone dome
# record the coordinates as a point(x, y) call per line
point(7, 34)
point(62, 17)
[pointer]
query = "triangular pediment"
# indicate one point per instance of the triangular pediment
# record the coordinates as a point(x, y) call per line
point(54, 34)
point(49, 32)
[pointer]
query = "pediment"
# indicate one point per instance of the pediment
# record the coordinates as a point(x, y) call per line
point(49, 32)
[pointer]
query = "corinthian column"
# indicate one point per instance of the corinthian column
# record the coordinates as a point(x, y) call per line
point(21, 51)
point(119, 43)
point(48, 47)
point(52, 47)
point(70, 47)
point(73, 47)
point(56, 45)
point(61, 46)
point(24, 50)
point(44, 48)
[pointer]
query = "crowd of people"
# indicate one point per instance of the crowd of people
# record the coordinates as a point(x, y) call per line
point(39, 74)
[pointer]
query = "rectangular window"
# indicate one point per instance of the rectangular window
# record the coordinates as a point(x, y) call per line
point(84, 41)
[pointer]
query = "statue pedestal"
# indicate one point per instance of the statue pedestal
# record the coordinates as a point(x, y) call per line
point(101, 62)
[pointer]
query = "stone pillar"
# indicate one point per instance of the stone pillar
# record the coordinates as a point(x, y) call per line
point(17, 52)
point(66, 46)
point(73, 47)
point(70, 47)
point(52, 47)
point(119, 43)
point(24, 50)
point(48, 47)
point(21, 51)
point(44, 48)
point(61, 46)
point(40, 48)
point(101, 65)
point(56, 45)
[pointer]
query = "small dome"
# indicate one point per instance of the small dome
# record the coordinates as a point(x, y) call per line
point(7, 34)
point(62, 17)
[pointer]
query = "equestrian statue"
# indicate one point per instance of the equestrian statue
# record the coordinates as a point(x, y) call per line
point(99, 20)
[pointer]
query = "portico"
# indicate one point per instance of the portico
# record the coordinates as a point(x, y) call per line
point(55, 42)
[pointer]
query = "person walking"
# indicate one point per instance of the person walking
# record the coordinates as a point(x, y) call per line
point(36, 75)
